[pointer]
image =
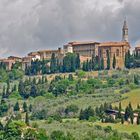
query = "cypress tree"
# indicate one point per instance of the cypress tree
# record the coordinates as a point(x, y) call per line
point(73, 64)
point(21, 89)
point(138, 119)
point(84, 66)
point(122, 119)
point(102, 64)
point(30, 108)
point(25, 108)
point(126, 60)
point(70, 77)
point(114, 62)
point(120, 109)
point(27, 119)
point(136, 80)
point(53, 63)
point(16, 107)
point(1, 126)
point(33, 91)
point(108, 60)
point(78, 61)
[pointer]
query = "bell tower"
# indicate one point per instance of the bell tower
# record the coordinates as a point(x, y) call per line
point(125, 32)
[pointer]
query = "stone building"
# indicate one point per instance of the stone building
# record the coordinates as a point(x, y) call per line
point(137, 50)
point(46, 54)
point(86, 49)
point(119, 49)
point(89, 49)
point(15, 58)
point(8, 63)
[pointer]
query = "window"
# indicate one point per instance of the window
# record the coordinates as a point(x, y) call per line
point(117, 52)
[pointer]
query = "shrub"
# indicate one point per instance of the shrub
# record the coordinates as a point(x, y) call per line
point(133, 86)
point(125, 90)
point(98, 127)
point(108, 129)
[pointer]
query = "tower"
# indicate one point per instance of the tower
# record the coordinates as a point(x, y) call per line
point(125, 32)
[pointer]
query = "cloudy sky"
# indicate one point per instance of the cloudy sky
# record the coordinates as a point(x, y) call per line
point(30, 25)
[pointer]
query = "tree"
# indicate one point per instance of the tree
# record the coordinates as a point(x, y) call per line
point(57, 135)
point(53, 63)
point(129, 113)
point(108, 59)
point(127, 59)
point(138, 119)
point(135, 136)
point(16, 107)
point(27, 119)
point(136, 79)
point(114, 62)
point(120, 109)
point(70, 77)
point(71, 109)
point(33, 91)
point(86, 114)
point(122, 119)
point(102, 64)
point(21, 89)
point(25, 108)
point(30, 108)
point(78, 61)
point(69, 63)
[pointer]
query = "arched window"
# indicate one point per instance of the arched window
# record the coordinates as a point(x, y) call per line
point(117, 52)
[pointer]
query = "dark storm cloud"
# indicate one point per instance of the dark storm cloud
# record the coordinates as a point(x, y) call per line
point(43, 24)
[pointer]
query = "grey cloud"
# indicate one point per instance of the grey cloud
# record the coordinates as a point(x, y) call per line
point(43, 24)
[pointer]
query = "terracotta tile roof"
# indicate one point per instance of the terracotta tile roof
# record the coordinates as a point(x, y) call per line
point(16, 57)
point(33, 53)
point(82, 43)
point(106, 44)
point(49, 51)
point(7, 60)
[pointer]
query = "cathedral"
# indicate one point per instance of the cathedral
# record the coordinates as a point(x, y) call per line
point(88, 49)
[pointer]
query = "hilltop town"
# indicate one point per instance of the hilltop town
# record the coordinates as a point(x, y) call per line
point(82, 91)
point(86, 50)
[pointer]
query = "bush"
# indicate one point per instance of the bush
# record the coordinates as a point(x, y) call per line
point(35, 125)
point(15, 95)
point(93, 119)
point(108, 129)
point(80, 73)
point(133, 86)
point(125, 90)
point(39, 114)
point(98, 127)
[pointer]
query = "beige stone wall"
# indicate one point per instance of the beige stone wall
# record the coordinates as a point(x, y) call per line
point(118, 51)
point(85, 50)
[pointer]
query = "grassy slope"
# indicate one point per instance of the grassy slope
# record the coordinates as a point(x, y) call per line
point(80, 128)
point(128, 128)
point(133, 97)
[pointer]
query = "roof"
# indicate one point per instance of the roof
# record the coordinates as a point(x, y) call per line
point(82, 43)
point(7, 60)
point(33, 53)
point(16, 57)
point(49, 51)
point(113, 44)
